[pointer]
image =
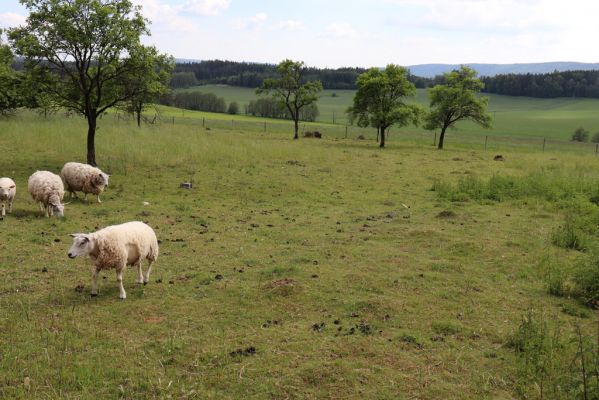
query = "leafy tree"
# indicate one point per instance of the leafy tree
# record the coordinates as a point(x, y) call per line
point(580, 135)
point(90, 52)
point(290, 90)
point(380, 100)
point(9, 81)
point(150, 86)
point(595, 138)
point(233, 108)
point(457, 100)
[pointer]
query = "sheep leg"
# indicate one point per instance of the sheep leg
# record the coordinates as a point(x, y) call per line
point(119, 279)
point(147, 277)
point(85, 197)
point(9, 207)
point(3, 212)
point(42, 207)
point(95, 273)
point(99, 201)
point(140, 277)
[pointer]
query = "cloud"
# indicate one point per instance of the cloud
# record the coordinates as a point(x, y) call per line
point(251, 23)
point(206, 7)
point(341, 30)
point(9, 20)
point(289, 25)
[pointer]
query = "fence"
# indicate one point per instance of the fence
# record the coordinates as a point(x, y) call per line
point(486, 141)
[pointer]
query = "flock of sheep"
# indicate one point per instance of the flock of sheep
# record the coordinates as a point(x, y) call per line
point(114, 247)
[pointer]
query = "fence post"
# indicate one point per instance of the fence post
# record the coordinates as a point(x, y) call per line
point(173, 120)
point(596, 149)
point(346, 131)
point(486, 139)
point(265, 126)
point(203, 122)
point(435, 139)
point(544, 141)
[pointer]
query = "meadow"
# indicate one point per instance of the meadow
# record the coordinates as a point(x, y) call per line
point(292, 269)
point(513, 116)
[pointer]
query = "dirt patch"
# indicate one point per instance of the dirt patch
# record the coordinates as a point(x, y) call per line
point(154, 319)
point(446, 214)
point(282, 282)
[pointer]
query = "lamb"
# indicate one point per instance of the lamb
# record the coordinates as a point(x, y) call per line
point(47, 189)
point(84, 178)
point(116, 247)
point(8, 190)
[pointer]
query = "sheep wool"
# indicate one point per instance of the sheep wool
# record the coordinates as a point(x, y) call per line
point(83, 178)
point(116, 247)
point(8, 190)
point(47, 189)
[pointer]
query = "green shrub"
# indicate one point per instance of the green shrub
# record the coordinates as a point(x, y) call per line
point(586, 282)
point(580, 135)
point(595, 138)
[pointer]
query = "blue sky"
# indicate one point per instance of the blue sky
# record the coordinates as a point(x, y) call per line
point(368, 32)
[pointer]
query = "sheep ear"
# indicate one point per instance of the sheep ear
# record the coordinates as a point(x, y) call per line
point(76, 234)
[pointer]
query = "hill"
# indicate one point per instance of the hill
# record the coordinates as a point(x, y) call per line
point(432, 70)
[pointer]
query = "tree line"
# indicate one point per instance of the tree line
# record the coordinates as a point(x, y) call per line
point(552, 85)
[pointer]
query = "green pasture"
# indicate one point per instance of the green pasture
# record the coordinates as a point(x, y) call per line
point(303, 269)
point(513, 116)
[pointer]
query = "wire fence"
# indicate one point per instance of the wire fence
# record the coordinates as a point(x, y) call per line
point(483, 141)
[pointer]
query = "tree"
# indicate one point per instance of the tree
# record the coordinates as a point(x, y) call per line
point(91, 52)
point(380, 100)
point(457, 100)
point(233, 108)
point(290, 90)
point(152, 84)
point(9, 81)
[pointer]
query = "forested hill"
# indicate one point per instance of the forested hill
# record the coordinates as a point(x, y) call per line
point(576, 83)
point(432, 70)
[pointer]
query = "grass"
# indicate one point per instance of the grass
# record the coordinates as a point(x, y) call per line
point(553, 119)
point(292, 269)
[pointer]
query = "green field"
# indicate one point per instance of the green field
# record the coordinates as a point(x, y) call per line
point(293, 269)
point(513, 116)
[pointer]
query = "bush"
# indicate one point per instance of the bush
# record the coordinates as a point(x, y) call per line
point(568, 236)
point(586, 281)
point(580, 135)
point(233, 108)
point(595, 138)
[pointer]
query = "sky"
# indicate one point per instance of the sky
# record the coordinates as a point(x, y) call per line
point(366, 33)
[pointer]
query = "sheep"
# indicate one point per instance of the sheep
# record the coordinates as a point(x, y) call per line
point(116, 247)
point(84, 178)
point(47, 189)
point(8, 190)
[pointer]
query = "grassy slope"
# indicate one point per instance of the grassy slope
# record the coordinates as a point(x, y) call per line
point(514, 116)
point(332, 224)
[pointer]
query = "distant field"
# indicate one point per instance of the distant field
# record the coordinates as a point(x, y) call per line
point(514, 116)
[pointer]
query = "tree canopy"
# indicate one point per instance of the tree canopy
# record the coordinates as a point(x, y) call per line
point(457, 100)
point(291, 90)
point(9, 81)
point(380, 100)
point(90, 55)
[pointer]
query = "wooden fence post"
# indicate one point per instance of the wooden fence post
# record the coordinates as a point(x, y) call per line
point(544, 141)
point(486, 140)
point(346, 131)
point(435, 139)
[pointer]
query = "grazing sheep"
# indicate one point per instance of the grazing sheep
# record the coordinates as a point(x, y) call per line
point(84, 178)
point(46, 188)
point(8, 190)
point(116, 247)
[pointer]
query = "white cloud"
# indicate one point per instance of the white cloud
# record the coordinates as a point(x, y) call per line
point(207, 7)
point(9, 20)
point(250, 23)
point(341, 30)
point(289, 25)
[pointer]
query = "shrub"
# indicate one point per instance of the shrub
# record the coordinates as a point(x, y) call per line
point(586, 282)
point(233, 108)
point(595, 138)
point(580, 135)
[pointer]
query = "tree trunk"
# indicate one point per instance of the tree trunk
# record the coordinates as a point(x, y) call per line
point(378, 132)
point(382, 137)
point(91, 140)
point(296, 126)
point(138, 113)
point(441, 137)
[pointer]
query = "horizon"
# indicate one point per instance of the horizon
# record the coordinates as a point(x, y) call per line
point(360, 33)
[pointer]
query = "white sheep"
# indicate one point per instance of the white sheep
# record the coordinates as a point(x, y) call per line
point(47, 189)
point(84, 178)
point(8, 190)
point(116, 247)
